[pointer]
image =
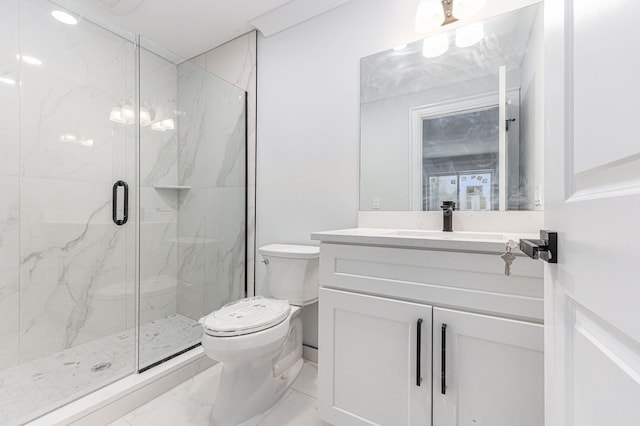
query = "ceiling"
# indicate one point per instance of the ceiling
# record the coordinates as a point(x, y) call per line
point(190, 27)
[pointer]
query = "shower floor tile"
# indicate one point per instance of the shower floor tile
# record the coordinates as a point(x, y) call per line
point(31, 389)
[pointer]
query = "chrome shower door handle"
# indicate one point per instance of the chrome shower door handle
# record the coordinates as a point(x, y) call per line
point(114, 203)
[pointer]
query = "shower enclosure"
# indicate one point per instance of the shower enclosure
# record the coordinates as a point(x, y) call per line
point(122, 206)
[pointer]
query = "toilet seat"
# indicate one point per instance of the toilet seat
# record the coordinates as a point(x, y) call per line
point(245, 316)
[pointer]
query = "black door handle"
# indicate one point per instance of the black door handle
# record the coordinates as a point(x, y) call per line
point(546, 248)
point(114, 203)
point(443, 356)
point(418, 350)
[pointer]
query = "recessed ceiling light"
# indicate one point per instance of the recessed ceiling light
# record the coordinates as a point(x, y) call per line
point(7, 80)
point(64, 17)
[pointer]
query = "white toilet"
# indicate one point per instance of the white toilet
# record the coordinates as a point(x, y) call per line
point(259, 340)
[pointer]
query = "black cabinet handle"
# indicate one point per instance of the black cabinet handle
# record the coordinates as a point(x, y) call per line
point(114, 203)
point(418, 350)
point(443, 356)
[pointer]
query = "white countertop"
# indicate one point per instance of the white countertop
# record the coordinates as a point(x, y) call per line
point(492, 242)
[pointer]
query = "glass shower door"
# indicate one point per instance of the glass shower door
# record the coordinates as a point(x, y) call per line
point(68, 270)
point(192, 200)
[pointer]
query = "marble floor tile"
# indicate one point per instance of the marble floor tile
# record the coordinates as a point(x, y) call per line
point(296, 409)
point(307, 380)
point(191, 403)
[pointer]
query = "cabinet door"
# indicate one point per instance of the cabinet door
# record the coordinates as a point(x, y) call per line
point(368, 360)
point(493, 370)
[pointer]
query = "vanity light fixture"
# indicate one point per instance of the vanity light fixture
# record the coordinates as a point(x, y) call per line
point(123, 114)
point(433, 13)
point(64, 17)
point(68, 137)
point(435, 45)
point(71, 138)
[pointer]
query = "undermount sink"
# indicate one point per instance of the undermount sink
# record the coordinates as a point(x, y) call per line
point(448, 235)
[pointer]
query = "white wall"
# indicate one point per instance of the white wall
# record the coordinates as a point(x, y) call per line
point(532, 96)
point(308, 120)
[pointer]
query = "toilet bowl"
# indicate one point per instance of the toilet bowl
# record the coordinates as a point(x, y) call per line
point(258, 340)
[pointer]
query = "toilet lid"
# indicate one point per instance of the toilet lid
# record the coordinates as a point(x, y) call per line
point(246, 316)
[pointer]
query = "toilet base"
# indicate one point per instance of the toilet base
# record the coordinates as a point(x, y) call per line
point(245, 392)
point(247, 389)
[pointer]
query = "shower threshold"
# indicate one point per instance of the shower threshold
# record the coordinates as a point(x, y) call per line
point(34, 388)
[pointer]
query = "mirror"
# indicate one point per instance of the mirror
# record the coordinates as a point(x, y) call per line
point(465, 125)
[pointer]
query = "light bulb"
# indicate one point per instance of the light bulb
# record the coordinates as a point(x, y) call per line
point(469, 35)
point(429, 15)
point(128, 114)
point(467, 8)
point(68, 137)
point(158, 127)
point(435, 45)
point(168, 124)
point(145, 117)
point(116, 115)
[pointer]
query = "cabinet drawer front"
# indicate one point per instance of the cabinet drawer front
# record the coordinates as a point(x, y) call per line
point(368, 360)
point(493, 370)
point(473, 281)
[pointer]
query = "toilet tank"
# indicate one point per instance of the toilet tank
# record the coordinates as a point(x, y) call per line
point(292, 272)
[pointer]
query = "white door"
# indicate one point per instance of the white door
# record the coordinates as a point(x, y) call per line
point(369, 363)
point(493, 370)
point(592, 179)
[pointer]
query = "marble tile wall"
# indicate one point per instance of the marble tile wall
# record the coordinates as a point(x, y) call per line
point(158, 170)
point(9, 186)
point(70, 154)
point(211, 220)
point(236, 62)
point(62, 260)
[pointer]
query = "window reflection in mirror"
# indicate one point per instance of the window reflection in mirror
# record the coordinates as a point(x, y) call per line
point(465, 126)
point(460, 160)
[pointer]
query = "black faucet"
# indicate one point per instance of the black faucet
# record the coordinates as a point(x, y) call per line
point(447, 215)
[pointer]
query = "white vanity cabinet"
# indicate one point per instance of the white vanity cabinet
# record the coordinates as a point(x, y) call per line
point(374, 372)
point(371, 300)
point(493, 370)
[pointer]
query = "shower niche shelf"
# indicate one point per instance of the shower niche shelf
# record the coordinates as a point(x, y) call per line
point(177, 187)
